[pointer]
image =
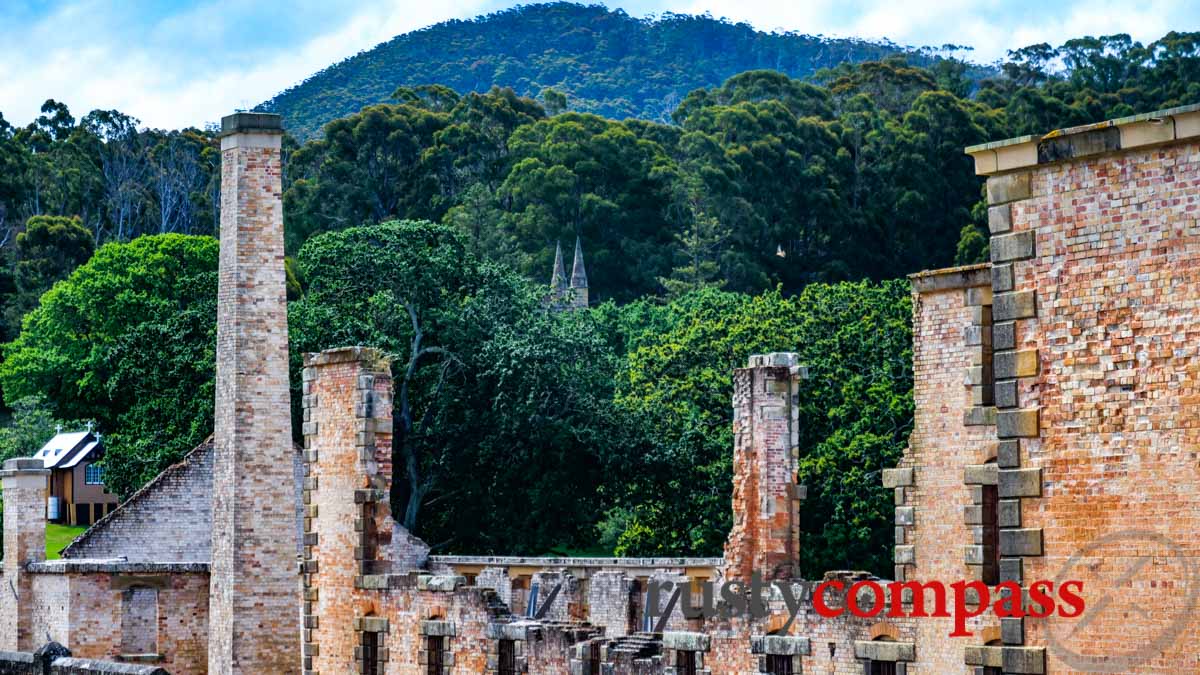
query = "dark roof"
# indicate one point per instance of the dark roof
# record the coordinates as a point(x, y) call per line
point(66, 450)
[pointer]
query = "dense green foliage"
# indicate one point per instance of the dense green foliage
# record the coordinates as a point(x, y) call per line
point(32, 424)
point(502, 408)
point(605, 62)
point(855, 417)
point(127, 340)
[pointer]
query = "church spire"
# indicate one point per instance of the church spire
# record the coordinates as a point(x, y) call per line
point(578, 273)
point(579, 281)
point(558, 278)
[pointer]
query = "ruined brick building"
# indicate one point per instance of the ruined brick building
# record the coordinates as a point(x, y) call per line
point(1053, 440)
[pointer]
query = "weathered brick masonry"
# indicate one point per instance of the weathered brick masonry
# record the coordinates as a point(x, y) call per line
point(255, 608)
point(766, 497)
point(1095, 247)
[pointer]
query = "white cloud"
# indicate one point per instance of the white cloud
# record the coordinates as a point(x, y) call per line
point(990, 26)
point(78, 56)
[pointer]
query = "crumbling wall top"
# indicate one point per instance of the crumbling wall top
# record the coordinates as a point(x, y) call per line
point(965, 276)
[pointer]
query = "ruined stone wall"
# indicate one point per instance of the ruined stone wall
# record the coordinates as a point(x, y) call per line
point(765, 537)
point(951, 455)
point(816, 644)
point(459, 615)
point(1096, 246)
point(80, 606)
point(611, 603)
point(52, 603)
point(24, 486)
point(347, 422)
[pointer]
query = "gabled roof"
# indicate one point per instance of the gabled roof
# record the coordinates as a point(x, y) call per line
point(131, 531)
point(83, 453)
point(169, 520)
point(66, 450)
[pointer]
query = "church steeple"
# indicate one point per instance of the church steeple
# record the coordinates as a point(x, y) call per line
point(579, 281)
point(558, 278)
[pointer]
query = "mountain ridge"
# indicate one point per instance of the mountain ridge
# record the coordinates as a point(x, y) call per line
point(606, 61)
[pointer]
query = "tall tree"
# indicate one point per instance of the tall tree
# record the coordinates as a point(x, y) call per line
point(501, 407)
point(127, 339)
point(49, 249)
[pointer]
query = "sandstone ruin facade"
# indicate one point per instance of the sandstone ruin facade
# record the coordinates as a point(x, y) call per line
point(1053, 440)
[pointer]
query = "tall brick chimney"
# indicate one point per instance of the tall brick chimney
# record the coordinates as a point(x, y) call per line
point(254, 608)
point(24, 485)
point(766, 498)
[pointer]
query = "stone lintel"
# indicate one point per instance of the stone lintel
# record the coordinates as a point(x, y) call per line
point(686, 641)
point(883, 650)
point(781, 645)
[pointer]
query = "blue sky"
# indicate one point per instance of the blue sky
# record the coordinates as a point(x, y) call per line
point(188, 62)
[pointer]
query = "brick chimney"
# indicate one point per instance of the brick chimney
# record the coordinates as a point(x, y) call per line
point(254, 608)
point(766, 498)
point(24, 485)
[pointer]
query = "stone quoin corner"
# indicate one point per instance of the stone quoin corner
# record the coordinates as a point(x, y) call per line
point(1055, 442)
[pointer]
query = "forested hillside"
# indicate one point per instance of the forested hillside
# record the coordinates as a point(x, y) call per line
point(765, 213)
point(605, 62)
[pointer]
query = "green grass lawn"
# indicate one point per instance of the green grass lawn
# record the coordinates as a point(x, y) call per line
point(58, 536)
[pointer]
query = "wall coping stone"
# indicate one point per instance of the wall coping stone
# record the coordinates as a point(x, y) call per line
point(346, 355)
point(24, 466)
point(114, 566)
point(251, 123)
point(522, 561)
point(948, 278)
point(1023, 152)
point(93, 667)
